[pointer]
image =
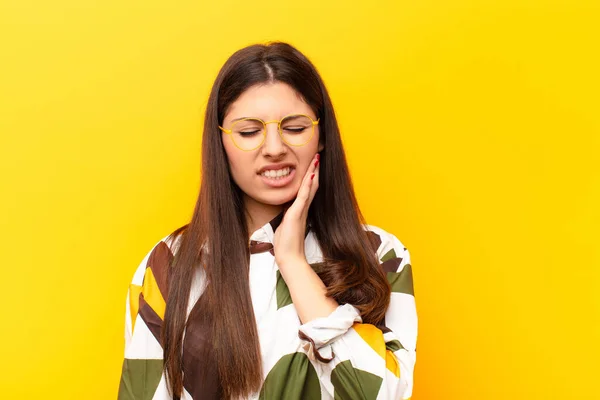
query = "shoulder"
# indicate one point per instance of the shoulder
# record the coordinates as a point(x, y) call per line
point(158, 259)
point(387, 244)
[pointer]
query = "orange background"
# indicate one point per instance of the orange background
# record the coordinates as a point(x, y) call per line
point(472, 129)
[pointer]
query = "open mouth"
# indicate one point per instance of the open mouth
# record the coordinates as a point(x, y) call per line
point(279, 177)
point(277, 174)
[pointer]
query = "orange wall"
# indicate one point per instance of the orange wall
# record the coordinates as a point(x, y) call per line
point(472, 128)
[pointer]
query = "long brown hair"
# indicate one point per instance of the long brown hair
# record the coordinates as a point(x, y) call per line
point(350, 269)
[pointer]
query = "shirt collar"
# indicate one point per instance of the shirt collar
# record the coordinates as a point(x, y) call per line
point(261, 239)
point(266, 232)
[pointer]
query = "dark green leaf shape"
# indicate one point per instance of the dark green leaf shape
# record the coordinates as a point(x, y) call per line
point(388, 256)
point(353, 383)
point(394, 345)
point(139, 379)
point(402, 282)
point(283, 293)
point(292, 378)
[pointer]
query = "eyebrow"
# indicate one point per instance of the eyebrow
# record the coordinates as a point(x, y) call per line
point(237, 119)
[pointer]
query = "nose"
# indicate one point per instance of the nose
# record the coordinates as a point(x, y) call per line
point(273, 146)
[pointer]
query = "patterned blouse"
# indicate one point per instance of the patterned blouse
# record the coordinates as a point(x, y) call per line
point(335, 357)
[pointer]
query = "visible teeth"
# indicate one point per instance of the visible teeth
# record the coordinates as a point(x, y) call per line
point(277, 174)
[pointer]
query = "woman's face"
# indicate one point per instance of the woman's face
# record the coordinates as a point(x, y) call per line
point(269, 102)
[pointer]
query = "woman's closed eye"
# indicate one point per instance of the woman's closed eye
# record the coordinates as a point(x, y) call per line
point(249, 133)
point(290, 129)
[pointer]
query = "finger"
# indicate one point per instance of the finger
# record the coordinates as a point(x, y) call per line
point(297, 209)
point(312, 167)
point(302, 196)
point(313, 191)
point(306, 190)
point(315, 184)
point(305, 187)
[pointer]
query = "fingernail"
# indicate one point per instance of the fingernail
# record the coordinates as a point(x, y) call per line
point(318, 156)
point(312, 176)
point(317, 163)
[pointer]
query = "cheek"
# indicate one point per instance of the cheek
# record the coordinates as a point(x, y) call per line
point(309, 152)
point(240, 165)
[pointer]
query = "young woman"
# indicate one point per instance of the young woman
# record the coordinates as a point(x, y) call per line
point(276, 289)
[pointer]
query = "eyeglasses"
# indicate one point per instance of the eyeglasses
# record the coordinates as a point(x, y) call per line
point(250, 133)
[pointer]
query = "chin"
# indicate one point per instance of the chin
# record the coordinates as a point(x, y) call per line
point(276, 199)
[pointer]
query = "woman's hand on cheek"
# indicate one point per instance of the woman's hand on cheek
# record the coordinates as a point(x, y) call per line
point(288, 242)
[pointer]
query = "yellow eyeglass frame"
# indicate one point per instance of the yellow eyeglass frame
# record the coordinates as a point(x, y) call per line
point(264, 133)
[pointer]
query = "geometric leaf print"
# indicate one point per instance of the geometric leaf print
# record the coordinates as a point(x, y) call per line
point(373, 336)
point(389, 255)
point(391, 265)
point(292, 378)
point(159, 261)
point(284, 297)
point(394, 345)
point(139, 379)
point(150, 317)
point(152, 293)
point(402, 282)
point(353, 383)
point(134, 303)
point(374, 239)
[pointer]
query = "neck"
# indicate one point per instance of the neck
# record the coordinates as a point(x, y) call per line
point(258, 214)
